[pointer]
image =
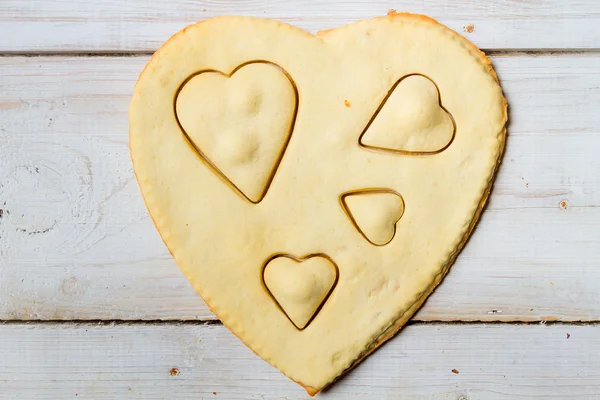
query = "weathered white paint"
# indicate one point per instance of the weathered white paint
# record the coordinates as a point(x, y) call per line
point(134, 361)
point(142, 25)
point(76, 241)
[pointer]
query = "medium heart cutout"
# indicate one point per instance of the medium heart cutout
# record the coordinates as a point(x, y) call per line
point(240, 123)
point(414, 106)
point(341, 78)
point(300, 286)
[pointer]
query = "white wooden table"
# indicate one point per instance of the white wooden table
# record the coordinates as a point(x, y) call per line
point(93, 306)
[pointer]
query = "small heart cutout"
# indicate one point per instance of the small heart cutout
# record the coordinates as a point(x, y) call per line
point(374, 213)
point(300, 286)
point(413, 108)
point(243, 131)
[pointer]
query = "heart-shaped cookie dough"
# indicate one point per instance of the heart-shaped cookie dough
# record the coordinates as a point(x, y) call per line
point(397, 104)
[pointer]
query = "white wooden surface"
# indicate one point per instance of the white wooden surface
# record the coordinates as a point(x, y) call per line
point(87, 361)
point(76, 242)
point(142, 25)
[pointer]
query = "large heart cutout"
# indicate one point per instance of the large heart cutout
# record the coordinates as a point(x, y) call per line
point(239, 123)
point(431, 142)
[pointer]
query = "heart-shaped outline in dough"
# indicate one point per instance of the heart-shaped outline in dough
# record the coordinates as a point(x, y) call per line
point(406, 152)
point(368, 191)
point(300, 260)
point(211, 163)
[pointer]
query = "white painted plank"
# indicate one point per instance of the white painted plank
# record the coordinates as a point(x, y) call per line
point(77, 243)
point(142, 25)
point(134, 361)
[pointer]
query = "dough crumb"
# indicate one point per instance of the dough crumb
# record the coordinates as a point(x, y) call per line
point(469, 28)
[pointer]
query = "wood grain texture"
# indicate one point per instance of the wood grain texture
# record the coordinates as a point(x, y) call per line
point(76, 241)
point(142, 25)
point(135, 361)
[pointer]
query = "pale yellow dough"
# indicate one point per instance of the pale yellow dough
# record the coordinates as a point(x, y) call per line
point(241, 123)
point(300, 286)
point(374, 213)
point(222, 237)
point(414, 110)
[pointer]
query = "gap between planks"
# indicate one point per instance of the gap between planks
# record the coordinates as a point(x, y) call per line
point(143, 53)
point(159, 322)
